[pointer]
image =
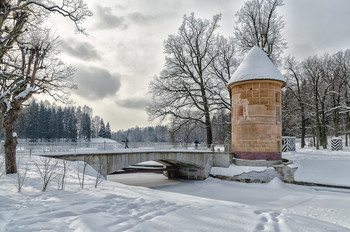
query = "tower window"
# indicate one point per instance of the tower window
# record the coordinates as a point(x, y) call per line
point(240, 110)
point(278, 115)
point(277, 97)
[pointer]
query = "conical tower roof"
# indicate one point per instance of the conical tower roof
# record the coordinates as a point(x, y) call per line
point(256, 66)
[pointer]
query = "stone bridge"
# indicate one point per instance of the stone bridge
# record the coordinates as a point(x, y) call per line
point(194, 165)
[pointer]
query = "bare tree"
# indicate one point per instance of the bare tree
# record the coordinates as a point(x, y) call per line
point(61, 180)
point(223, 65)
point(102, 161)
point(38, 72)
point(318, 90)
point(313, 70)
point(259, 24)
point(47, 170)
point(297, 86)
point(339, 85)
point(27, 58)
point(187, 88)
point(21, 176)
point(81, 175)
point(183, 131)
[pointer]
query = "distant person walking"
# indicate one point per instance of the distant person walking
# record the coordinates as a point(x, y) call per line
point(196, 144)
point(126, 142)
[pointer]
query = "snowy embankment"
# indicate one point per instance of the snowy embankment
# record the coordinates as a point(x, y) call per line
point(321, 166)
point(116, 207)
point(313, 166)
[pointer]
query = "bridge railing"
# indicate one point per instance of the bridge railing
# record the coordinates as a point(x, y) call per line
point(168, 146)
point(45, 147)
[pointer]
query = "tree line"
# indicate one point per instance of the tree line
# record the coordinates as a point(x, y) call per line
point(317, 98)
point(43, 121)
point(143, 134)
point(178, 133)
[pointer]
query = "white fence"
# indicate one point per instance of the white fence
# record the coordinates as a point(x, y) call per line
point(45, 147)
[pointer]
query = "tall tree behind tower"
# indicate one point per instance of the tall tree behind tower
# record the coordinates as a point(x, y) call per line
point(185, 89)
point(259, 24)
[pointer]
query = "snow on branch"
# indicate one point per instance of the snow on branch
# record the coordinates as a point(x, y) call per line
point(25, 93)
point(75, 10)
point(8, 105)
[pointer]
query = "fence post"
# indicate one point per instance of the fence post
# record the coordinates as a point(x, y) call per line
point(288, 144)
point(336, 144)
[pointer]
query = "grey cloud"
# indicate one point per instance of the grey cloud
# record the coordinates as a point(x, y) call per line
point(82, 50)
point(108, 20)
point(121, 7)
point(314, 27)
point(140, 18)
point(134, 103)
point(96, 83)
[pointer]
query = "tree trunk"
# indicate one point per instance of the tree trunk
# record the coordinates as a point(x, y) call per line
point(347, 123)
point(209, 131)
point(318, 125)
point(206, 111)
point(347, 129)
point(303, 126)
point(1, 122)
point(324, 127)
point(336, 115)
point(10, 145)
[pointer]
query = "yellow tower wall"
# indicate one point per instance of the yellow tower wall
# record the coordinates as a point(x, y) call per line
point(257, 119)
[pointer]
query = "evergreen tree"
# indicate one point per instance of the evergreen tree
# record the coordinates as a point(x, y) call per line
point(53, 124)
point(50, 122)
point(60, 123)
point(79, 116)
point(102, 132)
point(73, 127)
point(44, 117)
point(86, 127)
point(33, 120)
point(108, 131)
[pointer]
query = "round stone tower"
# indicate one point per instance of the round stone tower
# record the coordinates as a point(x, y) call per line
point(256, 109)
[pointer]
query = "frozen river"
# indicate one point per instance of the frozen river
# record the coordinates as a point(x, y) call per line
point(143, 179)
point(326, 204)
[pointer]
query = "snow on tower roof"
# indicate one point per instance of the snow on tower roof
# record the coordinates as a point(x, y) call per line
point(256, 66)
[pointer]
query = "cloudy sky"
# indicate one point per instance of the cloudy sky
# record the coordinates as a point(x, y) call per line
point(124, 49)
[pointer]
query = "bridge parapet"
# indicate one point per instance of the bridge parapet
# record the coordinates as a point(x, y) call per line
point(191, 164)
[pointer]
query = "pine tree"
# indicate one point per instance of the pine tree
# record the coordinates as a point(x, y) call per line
point(33, 119)
point(60, 123)
point(86, 127)
point(108, 131)
point(102, 132)
point(73, 128)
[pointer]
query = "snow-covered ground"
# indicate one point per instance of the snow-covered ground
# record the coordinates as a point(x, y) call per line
point(210, 205)
point(321, 166)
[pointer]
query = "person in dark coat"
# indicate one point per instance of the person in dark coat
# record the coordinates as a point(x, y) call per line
point(196, 144)
point(126, 142)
